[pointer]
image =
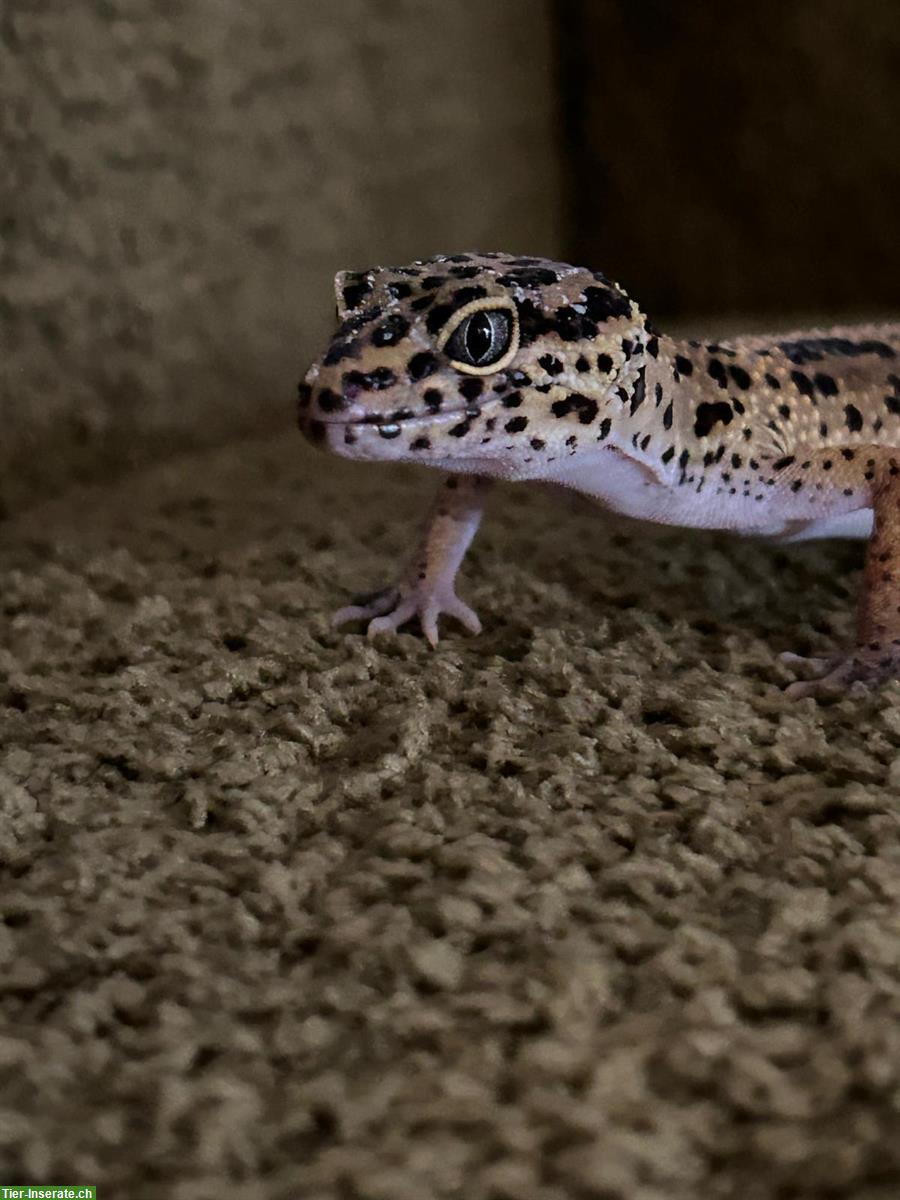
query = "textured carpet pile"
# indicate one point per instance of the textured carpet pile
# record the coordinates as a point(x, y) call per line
point(579, 909)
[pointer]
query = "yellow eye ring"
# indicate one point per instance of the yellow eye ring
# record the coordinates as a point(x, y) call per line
point(486, 304)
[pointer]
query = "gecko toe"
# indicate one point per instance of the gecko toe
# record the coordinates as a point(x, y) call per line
point(364, 608)
point(865, 666)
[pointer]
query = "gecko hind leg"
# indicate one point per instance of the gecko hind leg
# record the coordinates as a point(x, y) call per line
point(876, 656)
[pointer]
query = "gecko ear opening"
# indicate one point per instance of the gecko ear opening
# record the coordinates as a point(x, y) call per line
point(350, 291)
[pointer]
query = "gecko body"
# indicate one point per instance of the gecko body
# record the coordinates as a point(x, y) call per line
point(492, 366)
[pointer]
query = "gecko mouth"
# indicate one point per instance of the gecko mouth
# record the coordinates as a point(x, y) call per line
point(391, 425)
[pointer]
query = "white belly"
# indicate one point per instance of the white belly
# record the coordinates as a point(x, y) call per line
point(626, 486)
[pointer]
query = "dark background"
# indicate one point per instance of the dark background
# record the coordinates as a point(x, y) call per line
point(181, 180)
point(734, 158)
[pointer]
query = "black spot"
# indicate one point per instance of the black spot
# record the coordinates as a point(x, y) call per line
point(401, 414)
point(433, 400)
point(465, 272)
point(716, 370)
point(430, 282)
point(390, 331)
point(604, 303)
point(529, 277)
point(781, 463)
point(848, 455)
point(639, 393)
point(653, 347)
point(357, 321)
point(438, 317)
point(460, 430)
point(467, 294)
point(802, 383)
point(853, 417)
point(582, 364)
point(667, 416)
point(422, 365)
point(784, 411)
point(421, 303)
point(572, 326)
point(796, 485)
point(627, 348)
point(683, 365)
point(583, 405)
point(709, 415)
point(338, 351)
point(389, 431)
point(604, 363)
point(605, 427)
point(740, 377)
point(355, 293)
point(533, 322)
point(513, 400)
point(400, 290)
point(471, 388)
point(551, 365)
point(667, 454)
point(370, 381)
point(892, 403)
point(420, 443)
point(516, 424)
point(537, 444)
point(518, 378)
point(806, 350)
point(826, 384)
point(773, 382)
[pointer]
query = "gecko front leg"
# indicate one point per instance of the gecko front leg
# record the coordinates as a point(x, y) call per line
point(426, 588)
point(876, 657)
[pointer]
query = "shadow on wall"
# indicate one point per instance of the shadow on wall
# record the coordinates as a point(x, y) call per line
point(187, 178)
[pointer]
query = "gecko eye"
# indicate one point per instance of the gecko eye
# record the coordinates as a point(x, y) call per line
point(481, 340)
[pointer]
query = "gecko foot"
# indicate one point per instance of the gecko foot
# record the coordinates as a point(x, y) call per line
point(392, 607)
point(872, 665)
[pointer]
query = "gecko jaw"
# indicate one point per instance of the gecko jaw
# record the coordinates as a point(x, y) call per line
point(386, 423)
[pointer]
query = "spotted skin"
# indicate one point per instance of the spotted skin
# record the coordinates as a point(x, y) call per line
point(785, 436)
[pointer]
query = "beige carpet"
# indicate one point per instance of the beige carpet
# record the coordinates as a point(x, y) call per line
point(581, 908)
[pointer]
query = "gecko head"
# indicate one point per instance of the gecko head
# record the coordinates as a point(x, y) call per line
point(473, 361)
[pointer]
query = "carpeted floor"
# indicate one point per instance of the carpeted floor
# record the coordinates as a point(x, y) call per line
point(580, 909)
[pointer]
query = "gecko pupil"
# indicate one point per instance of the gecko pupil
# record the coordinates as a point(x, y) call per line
point(479, 336)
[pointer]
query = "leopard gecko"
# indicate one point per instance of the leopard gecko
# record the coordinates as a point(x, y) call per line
point(493, 366)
